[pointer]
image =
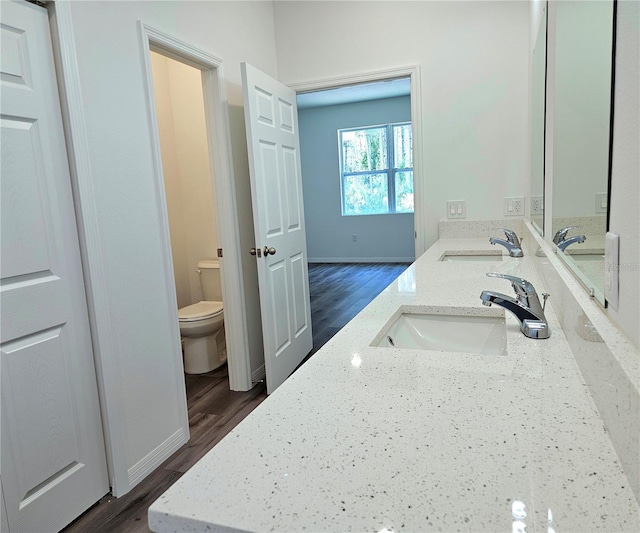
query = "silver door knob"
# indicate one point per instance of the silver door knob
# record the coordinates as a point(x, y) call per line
point(268, 251)
point(255, 251)
point(252, 251)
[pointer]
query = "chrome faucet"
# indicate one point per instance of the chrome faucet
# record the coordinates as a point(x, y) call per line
point(525, 306)
point(561, 241)
point(512, 243)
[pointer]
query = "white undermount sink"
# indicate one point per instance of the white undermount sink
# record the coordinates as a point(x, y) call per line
point(483, 255)
point(473, 333)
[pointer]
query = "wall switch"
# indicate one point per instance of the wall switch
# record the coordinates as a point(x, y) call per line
point(601, 202)
point(514, 206)
point(537, 205)
point(457, 209)
point(611, 268)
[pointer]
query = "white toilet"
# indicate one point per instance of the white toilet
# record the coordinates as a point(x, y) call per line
point(202, 324)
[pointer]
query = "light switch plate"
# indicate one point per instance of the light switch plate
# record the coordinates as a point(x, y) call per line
point(601, 202)
point(611, 268)
point(457, 209)
point(514, 206)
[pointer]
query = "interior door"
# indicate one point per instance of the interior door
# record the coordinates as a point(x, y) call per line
point(271, 119)
point(52, 463)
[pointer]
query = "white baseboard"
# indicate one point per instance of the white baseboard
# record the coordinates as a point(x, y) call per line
point(258, 374)
point(361, 259)
point(156, 457)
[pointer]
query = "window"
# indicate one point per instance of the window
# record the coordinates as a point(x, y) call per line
point(376, 170)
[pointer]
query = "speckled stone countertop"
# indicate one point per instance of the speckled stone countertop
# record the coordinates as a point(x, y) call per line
point(363, 438)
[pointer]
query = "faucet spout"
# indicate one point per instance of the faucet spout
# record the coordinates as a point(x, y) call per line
point(521, 312)
point(561, 241)
point(512, 243)
point(525, 306)
point(568, 242)
point(514, 250)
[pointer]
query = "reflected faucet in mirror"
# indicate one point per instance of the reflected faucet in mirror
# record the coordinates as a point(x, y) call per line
point(561, 241)
point(525, 306)
point(512, 243)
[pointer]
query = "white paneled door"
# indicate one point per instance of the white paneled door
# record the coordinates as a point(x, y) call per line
point(52, 463)
point(271, 119)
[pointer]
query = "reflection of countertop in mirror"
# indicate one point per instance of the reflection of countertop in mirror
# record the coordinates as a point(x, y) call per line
point(593, 244)
point(367, 438)
point(587, 260)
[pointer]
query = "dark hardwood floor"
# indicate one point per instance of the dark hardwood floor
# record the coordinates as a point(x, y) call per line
point(214, 410)
point(338, 293)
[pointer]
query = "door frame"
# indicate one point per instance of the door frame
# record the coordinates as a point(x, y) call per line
point(413, 73)
point(221, 170)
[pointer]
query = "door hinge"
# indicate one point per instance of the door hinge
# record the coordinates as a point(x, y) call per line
point(219, 252)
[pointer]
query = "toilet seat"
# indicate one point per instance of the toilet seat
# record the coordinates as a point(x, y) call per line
point(200, 311)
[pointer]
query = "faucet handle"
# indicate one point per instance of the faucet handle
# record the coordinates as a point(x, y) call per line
point(521, 286)
point(561, 234)
point(511, 236)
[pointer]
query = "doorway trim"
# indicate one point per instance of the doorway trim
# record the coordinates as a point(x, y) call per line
point(221, 168)
point(103, 335)
point(413, 73)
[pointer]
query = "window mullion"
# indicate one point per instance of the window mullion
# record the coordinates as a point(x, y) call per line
point(391, 184)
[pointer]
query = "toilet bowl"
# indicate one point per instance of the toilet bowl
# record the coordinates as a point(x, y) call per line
point(202, 324)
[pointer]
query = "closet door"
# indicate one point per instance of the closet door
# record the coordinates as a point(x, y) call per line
point(53, 464)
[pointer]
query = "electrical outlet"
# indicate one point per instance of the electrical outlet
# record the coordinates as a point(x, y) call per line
point(354, 238)
point(514, 206)
point(457, 209)
point(537, 206)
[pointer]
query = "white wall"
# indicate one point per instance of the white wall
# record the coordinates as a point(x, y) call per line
point(625, 182)
point(190, 198)
point(329, 234)
point(140, 321)
point(170, 166)
point(474, 74)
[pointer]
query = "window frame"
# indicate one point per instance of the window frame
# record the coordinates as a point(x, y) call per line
point(390, 171)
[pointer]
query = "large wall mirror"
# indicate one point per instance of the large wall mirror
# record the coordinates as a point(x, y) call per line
point(581, 140)
point(538, 91)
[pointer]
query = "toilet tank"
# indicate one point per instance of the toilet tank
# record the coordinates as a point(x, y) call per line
point(210, 280)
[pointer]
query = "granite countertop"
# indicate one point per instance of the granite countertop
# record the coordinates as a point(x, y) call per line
point(363, 438)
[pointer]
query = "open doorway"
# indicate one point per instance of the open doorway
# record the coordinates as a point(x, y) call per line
point(190, 203)
point(377, 103)
point(212, 196)
point(357, 169)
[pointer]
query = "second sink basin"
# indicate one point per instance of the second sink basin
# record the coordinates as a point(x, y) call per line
point(483, 255)
point(446, 332)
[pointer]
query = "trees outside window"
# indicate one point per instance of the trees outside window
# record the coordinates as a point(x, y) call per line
point(376, 169)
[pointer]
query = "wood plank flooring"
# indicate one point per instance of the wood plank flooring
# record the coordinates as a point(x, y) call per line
point(338, 292)
point(213, 410)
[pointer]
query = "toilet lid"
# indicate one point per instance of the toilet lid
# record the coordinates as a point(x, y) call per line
point(199, 311)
